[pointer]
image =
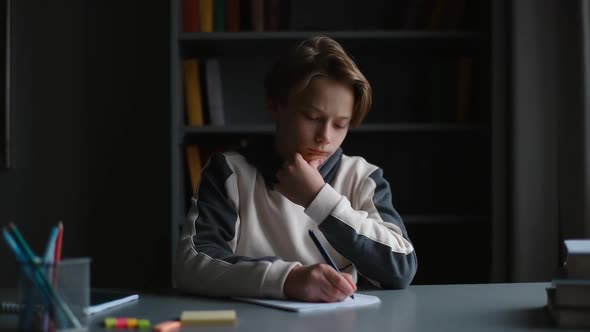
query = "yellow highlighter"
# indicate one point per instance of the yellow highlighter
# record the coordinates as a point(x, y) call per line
point(208, 317)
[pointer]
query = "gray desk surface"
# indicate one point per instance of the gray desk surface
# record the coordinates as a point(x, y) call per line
point(477, 307)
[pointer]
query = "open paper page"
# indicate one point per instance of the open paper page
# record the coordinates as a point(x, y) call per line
point(360, 300)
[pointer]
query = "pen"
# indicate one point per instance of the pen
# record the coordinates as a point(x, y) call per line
point(48, 259)
point(57, 251)
point(325, 254)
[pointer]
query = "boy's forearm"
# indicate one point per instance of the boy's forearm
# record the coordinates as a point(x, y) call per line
point(199, 273)
point(373, 238)
point(374, 260)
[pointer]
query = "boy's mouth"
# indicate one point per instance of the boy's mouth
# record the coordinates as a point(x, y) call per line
point(316, 152)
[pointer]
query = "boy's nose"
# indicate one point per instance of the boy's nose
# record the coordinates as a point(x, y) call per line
point(323, 135)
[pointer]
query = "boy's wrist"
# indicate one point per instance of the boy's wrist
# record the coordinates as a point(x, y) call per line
point(323, 203)
point(313, 196)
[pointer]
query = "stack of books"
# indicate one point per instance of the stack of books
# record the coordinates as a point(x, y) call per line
point(568, 299)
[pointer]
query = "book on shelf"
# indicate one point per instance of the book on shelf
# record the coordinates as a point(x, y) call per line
point(219, 15)
point(233, 13)
point(190, 15)
point(257, 12)
point(206, 15)
point(197, 157)
point(566, 317)
point(577, 262)
point(274, 15)
point(214, 92)
point(245, 16)
point(192, 92)
point(272, 10)
point(194, 164)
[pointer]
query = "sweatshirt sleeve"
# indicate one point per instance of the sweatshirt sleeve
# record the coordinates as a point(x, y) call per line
point(205, 262)
point(372, 236)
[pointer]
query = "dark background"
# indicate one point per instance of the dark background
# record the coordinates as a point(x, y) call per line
point(90, 136)
point(4, 130)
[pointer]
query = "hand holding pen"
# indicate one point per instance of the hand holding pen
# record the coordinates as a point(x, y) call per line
point(325, 254)
point(318, 283)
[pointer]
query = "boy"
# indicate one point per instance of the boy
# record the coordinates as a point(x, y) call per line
point(246, 232)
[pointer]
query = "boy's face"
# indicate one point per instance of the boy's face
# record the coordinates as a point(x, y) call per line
point(315, 121)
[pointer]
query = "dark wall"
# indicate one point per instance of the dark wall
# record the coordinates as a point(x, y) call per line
point(90, 136)
point(127, 130)
point(16, 184)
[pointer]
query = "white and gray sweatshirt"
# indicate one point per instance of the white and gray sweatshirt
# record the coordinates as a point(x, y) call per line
point(241, 237)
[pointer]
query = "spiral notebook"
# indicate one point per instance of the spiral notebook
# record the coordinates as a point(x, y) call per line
point(360, 300)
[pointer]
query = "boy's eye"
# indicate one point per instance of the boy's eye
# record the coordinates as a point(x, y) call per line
point(312, 117)
point(341, 125)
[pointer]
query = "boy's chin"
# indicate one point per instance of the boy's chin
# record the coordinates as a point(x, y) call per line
point(309, 159)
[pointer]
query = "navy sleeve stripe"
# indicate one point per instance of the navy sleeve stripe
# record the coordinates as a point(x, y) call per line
point(377, 261)
point(382, 200)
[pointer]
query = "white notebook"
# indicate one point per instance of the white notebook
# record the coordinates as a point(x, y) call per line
point(360, 300)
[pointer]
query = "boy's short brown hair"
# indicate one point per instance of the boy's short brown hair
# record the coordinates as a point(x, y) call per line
point(318, 56)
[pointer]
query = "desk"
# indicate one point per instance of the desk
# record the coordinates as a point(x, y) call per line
point(477, 307)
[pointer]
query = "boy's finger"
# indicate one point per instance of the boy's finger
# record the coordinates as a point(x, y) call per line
point(298, 157)
point(340, 282)
point(315, 163)
point(332, 292)
point(348, 278)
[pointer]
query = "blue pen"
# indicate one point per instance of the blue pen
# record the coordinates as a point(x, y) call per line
point(50, 249)
point(48, 261)
point(20, 257)
point(325, 254)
